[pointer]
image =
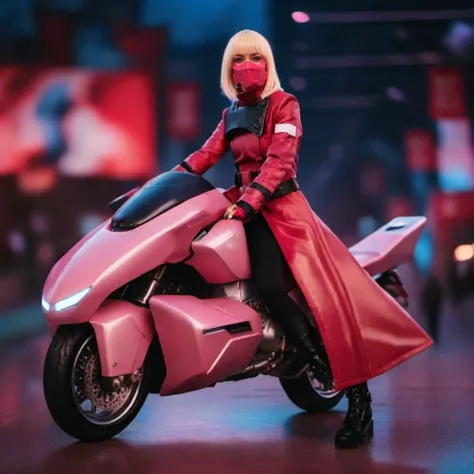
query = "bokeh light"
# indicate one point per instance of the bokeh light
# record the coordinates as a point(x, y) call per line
point(300, 17)
point(463, 253)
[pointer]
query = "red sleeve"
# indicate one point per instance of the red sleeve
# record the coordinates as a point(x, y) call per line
point(281, 153)
point(210, 153)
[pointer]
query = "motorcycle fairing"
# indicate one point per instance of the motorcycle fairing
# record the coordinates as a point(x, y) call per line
point(221, 255)
point(105, 260)
point(203, 341)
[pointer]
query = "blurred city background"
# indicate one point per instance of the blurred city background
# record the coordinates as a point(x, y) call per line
point(97, 96)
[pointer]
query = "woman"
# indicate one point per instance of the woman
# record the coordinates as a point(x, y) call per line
point(363, 330)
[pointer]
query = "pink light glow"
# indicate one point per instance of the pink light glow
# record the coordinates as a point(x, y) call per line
point(300, 17)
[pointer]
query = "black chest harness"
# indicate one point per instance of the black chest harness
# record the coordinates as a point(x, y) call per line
point(250, 118)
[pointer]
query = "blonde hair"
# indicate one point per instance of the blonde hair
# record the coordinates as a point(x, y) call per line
point(245, 42)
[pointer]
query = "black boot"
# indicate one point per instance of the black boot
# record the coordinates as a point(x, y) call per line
point(358, 426)
point(306, 338)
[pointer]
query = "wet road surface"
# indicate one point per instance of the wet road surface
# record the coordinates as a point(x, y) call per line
point(424, 423)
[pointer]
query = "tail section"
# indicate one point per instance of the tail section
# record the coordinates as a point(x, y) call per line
point(389, 246)
point(203, 341)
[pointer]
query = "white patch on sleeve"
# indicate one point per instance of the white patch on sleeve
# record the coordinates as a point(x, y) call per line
point(285, 128)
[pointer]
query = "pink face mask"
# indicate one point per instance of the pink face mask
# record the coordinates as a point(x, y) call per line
point(249, 75)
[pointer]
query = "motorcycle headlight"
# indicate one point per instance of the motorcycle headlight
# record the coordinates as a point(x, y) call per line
point(65, 303)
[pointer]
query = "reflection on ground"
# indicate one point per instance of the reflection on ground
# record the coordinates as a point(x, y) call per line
point(423, 413)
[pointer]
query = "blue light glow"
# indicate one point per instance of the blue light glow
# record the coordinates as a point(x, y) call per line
point(424, 252)
point(195, 23)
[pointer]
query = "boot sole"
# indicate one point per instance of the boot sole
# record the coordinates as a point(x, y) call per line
point(357, 441)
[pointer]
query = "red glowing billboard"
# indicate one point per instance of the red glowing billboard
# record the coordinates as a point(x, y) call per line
point(79, 123)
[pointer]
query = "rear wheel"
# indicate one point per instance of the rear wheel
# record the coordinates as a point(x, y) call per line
point(82, 403)
point(303, 393)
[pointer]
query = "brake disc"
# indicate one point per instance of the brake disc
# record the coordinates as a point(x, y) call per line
point(104, 400)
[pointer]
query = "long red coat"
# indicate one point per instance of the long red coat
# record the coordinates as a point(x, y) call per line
point(364, 330)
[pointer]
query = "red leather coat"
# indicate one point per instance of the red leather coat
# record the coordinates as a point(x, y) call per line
point(364, 330)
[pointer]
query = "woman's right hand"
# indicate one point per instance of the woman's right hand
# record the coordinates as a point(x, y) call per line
point(229, 213)
point(235, 212)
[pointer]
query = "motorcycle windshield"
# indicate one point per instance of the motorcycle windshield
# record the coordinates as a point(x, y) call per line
point(158, 196)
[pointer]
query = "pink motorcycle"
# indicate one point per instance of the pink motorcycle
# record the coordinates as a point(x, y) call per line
point(159, 299)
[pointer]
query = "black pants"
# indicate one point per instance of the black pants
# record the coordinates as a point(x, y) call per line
point(270, 272)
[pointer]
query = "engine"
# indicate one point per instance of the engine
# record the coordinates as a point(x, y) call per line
point(273, 339)
point(274, 355)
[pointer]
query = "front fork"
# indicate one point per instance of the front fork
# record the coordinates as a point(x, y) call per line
point(390, 281)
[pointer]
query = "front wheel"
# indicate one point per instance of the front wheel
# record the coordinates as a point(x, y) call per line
point(80, 401)
point(303, 393)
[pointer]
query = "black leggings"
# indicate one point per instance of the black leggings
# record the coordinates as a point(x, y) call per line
point(270, 270)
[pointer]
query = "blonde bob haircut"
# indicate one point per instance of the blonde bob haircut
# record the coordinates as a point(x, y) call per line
point(248, 42)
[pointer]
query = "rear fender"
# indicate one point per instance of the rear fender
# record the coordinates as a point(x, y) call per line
point(124, 333)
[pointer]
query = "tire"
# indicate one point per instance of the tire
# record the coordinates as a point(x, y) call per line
point(302, 393)
point(60, 376)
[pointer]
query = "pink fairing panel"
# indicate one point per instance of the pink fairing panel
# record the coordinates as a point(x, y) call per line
point(106, 260)
point(221, 256)
point(390, 245)
point(197, 353)
point(124, 333)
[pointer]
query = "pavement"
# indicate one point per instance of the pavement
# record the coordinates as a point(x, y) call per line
point(423, 421)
